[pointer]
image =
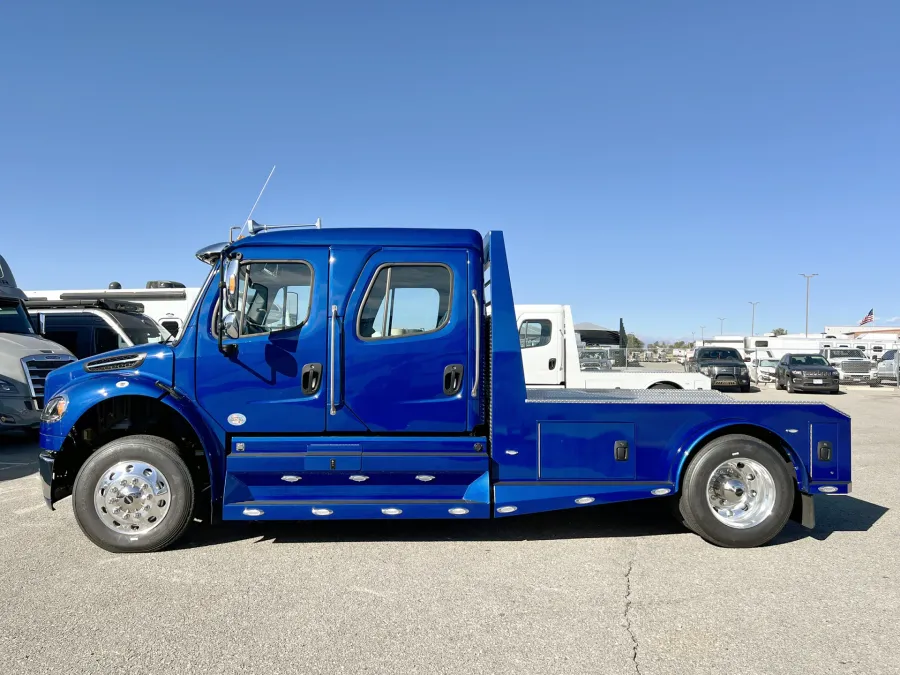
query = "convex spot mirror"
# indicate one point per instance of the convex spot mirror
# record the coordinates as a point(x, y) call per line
point(231, 325)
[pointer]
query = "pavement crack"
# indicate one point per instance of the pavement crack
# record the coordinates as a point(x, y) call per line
point(627, 617)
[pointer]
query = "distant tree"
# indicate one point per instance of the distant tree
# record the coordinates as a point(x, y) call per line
point(779, 331)
point(680, 344)
point(634, 342)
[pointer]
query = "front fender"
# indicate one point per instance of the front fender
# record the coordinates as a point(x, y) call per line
point(86, 392)
point(697, 436)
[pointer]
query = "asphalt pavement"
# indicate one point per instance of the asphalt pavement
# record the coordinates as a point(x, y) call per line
point(607, 589)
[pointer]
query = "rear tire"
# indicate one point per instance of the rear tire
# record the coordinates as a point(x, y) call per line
point(663, 385)
point(147, 488)
point(766, 488)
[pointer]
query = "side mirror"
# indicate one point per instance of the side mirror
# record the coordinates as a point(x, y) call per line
point(42, 323)
point(230, 292)
point(231, 325)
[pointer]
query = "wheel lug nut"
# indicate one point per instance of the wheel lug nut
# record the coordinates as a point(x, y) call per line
point(123, 482)
point(751, 477)
point(752, 493)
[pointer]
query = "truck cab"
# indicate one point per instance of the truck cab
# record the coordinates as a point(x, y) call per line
point(25, 359)
point(378, 374)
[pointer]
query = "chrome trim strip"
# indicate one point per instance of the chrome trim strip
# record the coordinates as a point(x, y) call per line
point(477, 342)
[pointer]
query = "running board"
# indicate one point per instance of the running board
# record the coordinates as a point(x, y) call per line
point(354, 509)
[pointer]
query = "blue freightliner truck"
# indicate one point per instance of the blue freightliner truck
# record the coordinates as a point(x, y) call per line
point(377, 374)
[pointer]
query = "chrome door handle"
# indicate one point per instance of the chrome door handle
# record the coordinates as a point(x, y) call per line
point(334, 311)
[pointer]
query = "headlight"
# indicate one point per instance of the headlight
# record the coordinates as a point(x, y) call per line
point(744, 370)
point(706, 370)
point(54, 409)
point(7, 387)
point(797, 373)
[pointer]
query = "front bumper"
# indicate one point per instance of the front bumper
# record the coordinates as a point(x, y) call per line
point(727, 380)
point(19, 412)
point(45, 465)
point(809, 384)
point(849, 378)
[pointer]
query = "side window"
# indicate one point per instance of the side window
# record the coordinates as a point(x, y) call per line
point(106, 339)
point(535, 333)
point(275, 296)
point(173, 326)
point(406, 300)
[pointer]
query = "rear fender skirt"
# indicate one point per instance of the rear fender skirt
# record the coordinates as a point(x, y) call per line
point(701, 434)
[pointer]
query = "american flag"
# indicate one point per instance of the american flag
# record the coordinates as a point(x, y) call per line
point(868, 318)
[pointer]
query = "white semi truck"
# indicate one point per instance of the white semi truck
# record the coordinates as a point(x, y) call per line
point(25, 359)
point(550, 354)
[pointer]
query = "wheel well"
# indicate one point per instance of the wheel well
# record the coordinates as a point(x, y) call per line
point(665, 385)
point(764, 435)
point(126, 416)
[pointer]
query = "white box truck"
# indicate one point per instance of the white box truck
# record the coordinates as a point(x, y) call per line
point(551, 359)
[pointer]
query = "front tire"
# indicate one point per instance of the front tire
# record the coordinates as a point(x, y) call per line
point(789, 385)
point(134, 495)
point(737, 492)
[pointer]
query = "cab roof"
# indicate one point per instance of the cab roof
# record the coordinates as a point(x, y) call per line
point(365, 236)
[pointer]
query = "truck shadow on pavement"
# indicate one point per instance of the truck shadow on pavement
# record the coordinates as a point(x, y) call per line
point(639, 519)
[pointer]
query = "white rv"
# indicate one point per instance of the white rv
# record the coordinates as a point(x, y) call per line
point(550, 355)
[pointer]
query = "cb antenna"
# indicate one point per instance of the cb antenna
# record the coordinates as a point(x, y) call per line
point(258, 197)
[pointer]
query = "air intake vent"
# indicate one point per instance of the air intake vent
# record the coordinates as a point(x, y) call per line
point(117, 362)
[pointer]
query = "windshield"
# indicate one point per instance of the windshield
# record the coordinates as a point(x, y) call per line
point(14, 319)
point(141, 329)
point(808, 360)
point(846, 353)
point(719, 355)
point(768, 363)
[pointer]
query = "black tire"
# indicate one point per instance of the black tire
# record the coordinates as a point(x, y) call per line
point(789, 385)
point(162, 454)
point(745, 388)
point(663, 385)
point(693, 502)
point(778, 384)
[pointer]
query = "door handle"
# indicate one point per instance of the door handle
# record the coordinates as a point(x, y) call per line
point(311, 378)
point(334, 313)
point(552, 364)
point(453, 378)
point(621, 451)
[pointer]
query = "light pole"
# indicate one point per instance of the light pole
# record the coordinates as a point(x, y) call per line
point(808, 277)
point(753, 318)
point(721, 326)
point(702, 340)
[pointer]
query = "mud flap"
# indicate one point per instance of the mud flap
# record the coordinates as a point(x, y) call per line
point(804, 511)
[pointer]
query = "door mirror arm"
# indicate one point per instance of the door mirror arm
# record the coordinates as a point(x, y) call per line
point(221, 328)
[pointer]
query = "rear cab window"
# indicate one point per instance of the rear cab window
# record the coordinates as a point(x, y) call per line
point(404, 300)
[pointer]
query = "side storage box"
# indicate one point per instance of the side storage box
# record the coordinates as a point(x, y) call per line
point(586, 451)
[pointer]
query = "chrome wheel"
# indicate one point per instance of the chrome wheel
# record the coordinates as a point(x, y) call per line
point(132, 497)
point(741, 493)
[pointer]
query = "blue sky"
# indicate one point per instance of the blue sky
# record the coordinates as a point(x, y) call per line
point(664, 162)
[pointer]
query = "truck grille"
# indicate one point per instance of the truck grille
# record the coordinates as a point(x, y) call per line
point(855, 367)
point(36, 370)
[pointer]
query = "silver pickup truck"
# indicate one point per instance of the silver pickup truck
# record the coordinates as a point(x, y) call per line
point(851, 364)
point(887, 367)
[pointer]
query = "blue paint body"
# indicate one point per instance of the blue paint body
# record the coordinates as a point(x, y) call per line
point(397, 446)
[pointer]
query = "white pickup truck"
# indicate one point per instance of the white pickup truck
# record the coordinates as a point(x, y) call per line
point(550, 356)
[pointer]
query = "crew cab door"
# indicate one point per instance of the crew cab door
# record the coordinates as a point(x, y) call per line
point(271, 380)
point(407, 361)
point(542, 346)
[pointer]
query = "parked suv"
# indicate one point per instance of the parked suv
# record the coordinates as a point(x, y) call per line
point(887, 367)
point(90, 327)
point(723, 365)
point(851, 364)
point(807, 372)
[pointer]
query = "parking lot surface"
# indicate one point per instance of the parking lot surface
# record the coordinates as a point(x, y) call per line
point(607, 589)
